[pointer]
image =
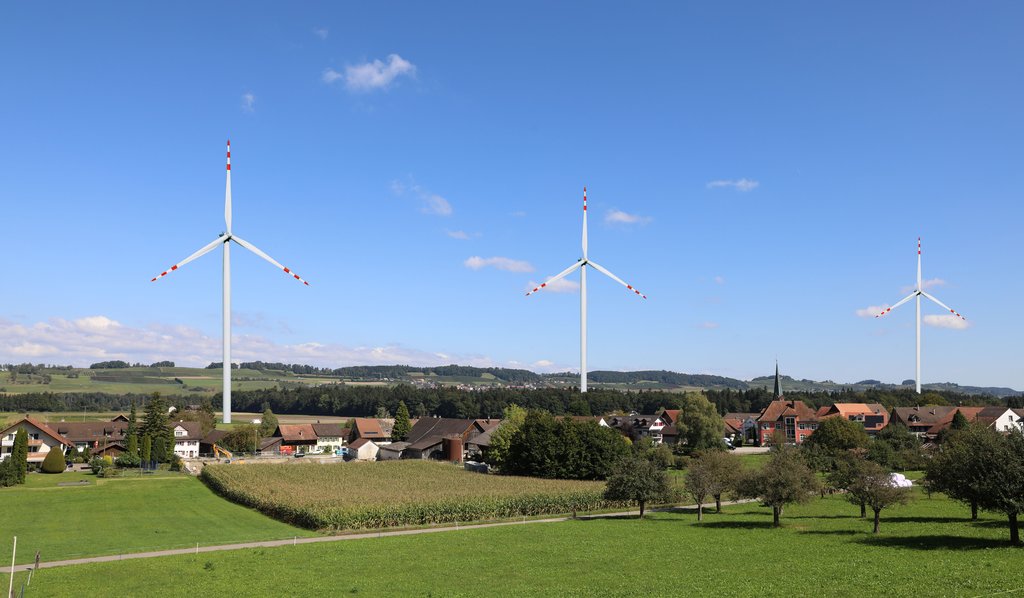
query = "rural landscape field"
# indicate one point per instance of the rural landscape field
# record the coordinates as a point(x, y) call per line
point(501, 299)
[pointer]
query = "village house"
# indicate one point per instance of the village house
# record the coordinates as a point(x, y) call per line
point(41, 439)
point(795, 420)
point(329, 437)
point(927, 422)
point(296, 438)
point(743, 425)
point(372, 428)
point(186, 438)
point(872, 416)
point(640, 426)
point(443, 438)
point(1001, 419)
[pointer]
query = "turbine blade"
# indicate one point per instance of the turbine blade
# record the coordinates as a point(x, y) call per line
point(207, 249)
point(558, 276)
point(951, 310)
point(227, 193)
point(260, 253)
point(600, 269)
point(898, 303)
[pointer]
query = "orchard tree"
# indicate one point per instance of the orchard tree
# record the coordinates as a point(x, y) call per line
point(954, 470)
point(784, 480)
point(874, 485)
point(637, 479)
point(834, 436)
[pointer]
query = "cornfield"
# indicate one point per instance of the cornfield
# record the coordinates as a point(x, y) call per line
point(395, 493)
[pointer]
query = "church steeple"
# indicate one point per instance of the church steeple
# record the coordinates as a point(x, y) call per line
point(778, 383)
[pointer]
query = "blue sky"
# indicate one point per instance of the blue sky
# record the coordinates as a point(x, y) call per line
point(761, 171)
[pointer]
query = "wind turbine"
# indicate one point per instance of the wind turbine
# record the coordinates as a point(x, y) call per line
point(224, 240)
point(582, 264)
point(916, 295)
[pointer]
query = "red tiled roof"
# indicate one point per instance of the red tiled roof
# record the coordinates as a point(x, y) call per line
point(42, 428)
point(776, 410)
point(292, 433)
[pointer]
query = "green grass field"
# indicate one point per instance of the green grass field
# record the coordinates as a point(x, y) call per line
point(190, 381)
point(929, 548)
point(130, 514)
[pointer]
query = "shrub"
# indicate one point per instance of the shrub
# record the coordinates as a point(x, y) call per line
point(54, 462)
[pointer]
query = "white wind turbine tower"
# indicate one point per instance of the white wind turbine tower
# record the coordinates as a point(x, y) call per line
point(224, 240)
point(582, 264)
point(916, 295)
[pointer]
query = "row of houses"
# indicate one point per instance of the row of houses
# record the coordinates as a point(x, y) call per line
point(91, 439)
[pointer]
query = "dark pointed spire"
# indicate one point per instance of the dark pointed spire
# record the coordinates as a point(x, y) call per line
point(778, 382)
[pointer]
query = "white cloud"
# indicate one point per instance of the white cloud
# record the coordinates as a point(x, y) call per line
point(543, 363)
point(946, 321)
point(432, 202)
point(739, 184)
point(435, 204)
point(562, 285)
point(708, 325)
point(501, 263)
point(370, 76)
point(321, 32)
point(872, 310)
point(331, 75)
point(461, 235)
point(620, 217)
point(98, 338)
point(248, 102)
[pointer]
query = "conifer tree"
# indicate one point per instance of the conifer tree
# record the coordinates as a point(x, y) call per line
point(147, 451)
point(19, 456)
point(401, 429)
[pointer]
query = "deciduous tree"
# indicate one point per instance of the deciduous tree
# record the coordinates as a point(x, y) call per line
point(699, 425)
point(874, 485)
point(784, 480)
point(637, 479)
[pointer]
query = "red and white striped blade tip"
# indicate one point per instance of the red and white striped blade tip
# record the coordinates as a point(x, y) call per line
point(295, 276)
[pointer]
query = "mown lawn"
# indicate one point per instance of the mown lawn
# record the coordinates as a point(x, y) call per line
point(929, 548)
point(117, 515)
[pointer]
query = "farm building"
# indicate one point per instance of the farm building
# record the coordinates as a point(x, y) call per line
point(41, 439)
point(363, 450)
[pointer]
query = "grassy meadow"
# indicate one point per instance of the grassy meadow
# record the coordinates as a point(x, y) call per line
point(395, 493)
point(928, 548)
point(125, 514)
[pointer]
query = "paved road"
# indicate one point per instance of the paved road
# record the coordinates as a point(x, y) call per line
point(296, 541)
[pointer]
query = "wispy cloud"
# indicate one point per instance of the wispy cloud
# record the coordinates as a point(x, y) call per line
point(871, 310)
point(562, 285)
point(501, 263)
point(947, 321)
point(371, 76)
point(707, 325)
point(432, 203)
point(620, 217)
point(321, 32)
point(739, 184)
point(461, 235)
point(248, 102)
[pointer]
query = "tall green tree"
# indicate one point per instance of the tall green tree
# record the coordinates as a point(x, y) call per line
point(699, 425)
point(160, 449)
point(785, 479)
point(53, 462)
point(7, 476)
point(501, 438)
point(637, 479)
point(19, 455)
point(268, 422)
point(401, 429)
point(959, 421)
point(147, 450)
